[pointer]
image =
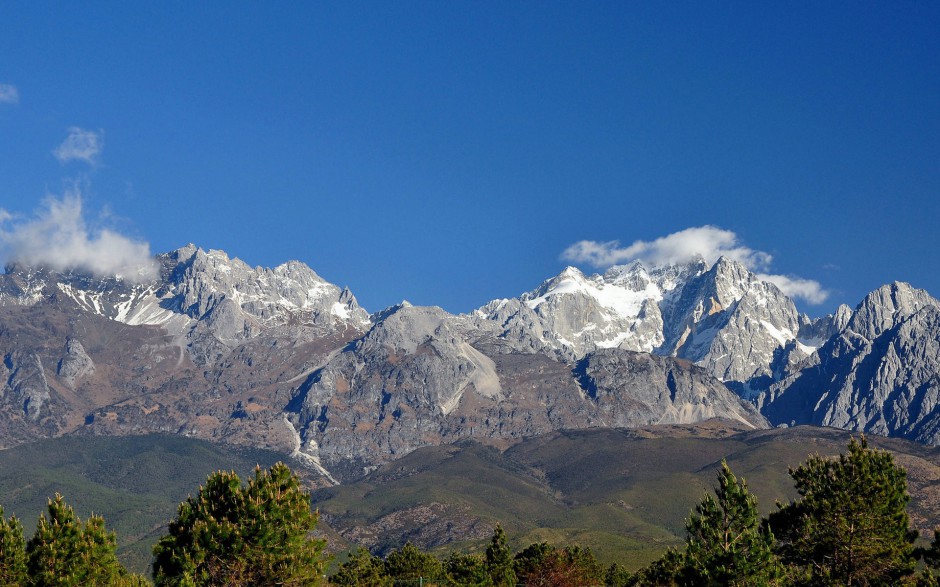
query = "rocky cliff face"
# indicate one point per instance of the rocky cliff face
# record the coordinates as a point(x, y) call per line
point(25, 382)
point(210, 300)
point(879, 374)
point(724, 318)
point(415, 379)
point(279, 358)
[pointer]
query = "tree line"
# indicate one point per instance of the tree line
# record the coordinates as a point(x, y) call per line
point(849, 527)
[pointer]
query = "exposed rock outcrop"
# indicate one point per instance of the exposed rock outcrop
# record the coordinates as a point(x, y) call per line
point(880, 374)
point(75, 364)
point(741, 329)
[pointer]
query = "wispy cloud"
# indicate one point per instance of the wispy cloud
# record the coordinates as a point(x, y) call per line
point(796, 287)
point(9, 94)
point(706, 242)
point(57, 237)
point(80, 145)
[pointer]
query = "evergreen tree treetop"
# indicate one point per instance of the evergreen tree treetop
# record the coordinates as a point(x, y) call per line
point(850, 526)
point(234, 534)
point(12, 552)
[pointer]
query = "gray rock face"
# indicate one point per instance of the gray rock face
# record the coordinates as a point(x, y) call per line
point(415, 380)
point(639, 389)
point(880, 374)
point(75, 364)
point(723, 318)
point(282, 359)
point(214, 301)
point(259, 297)
point(397, 383)
point(24, 383)
point(732, 323)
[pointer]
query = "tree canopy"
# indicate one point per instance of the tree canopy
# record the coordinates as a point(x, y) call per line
point(12, 552)
point(233, 534)
point(65, 552)
point(850, 526)
point(725, 543)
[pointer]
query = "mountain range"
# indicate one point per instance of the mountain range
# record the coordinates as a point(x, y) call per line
point(282, 359)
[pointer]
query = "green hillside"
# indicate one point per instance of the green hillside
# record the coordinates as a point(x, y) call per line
point(624, 493)
point(135, 482)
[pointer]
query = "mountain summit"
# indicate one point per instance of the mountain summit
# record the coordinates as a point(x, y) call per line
point(282, 359)
point(741, 329)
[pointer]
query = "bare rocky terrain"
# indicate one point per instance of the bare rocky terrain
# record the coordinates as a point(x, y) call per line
point(281, 359)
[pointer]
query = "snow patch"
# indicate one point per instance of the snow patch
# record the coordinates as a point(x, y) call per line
point(781, 336)
point(622, 301)
point(340, 311)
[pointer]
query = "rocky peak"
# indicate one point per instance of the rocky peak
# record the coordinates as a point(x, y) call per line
point(405, 327)
point(886, 307)
point(722, 317)
point(879, 374)
point(569, 281)
point(213, 300)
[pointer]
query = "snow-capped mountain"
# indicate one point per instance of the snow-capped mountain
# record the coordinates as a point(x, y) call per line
point(880, 372)
point(280, 358)
point(205, 296)
point(724, 318)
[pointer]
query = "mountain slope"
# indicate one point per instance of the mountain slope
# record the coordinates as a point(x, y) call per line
point(414, 379)
point(880, 374)
point(624, 493)
point(723, 318)
point(283, 360)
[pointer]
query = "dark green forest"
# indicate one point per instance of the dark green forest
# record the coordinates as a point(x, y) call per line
point(848, 526)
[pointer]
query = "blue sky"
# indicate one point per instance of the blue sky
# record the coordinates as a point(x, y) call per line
point(449, 153)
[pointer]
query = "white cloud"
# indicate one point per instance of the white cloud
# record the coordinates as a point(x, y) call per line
point(797, 287)
point(9, 94)
point(58, 238)
point(81, 145)
point(707, 242)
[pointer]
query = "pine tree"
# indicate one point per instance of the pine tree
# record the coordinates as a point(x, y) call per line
point(467, 570)
point(929, 576)
point(664, 572)
point(64, 552)
point(12, 552)
point(410, 563)
point(499, 562)
point(931, 555)
point(850, 526)
point(362, 569)
point(725, 543)
point(617, 576)
point(229, 534)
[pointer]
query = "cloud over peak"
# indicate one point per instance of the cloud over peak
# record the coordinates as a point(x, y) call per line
point(58, 238)
point(797, 287)
point(706, 242)
point(9, 94)
point(80, 145)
